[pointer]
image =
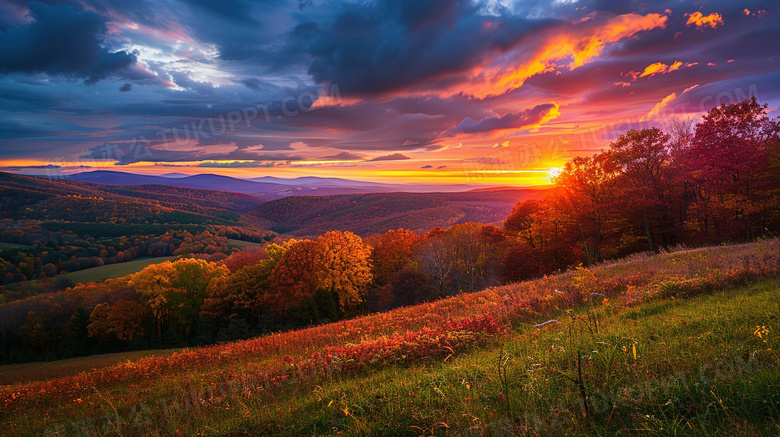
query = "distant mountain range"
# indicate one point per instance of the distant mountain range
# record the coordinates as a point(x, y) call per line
point(267, 187)
point(366, 214)
point(116, 197)
point(24, 197)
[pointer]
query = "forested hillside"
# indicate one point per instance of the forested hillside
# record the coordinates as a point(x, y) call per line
point(366, 214)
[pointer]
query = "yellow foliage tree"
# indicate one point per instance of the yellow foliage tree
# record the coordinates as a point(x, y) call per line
point(175, 291)
point(344, 266)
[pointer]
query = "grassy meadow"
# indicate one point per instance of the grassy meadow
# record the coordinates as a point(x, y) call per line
point(115, 270)
point(14, 374)
point(680, 343)
point(241, 243)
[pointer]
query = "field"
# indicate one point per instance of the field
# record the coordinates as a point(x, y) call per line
point(241, 243)
point(115, 270)
point(681, 343)
point(13, 245)
point(41, 371)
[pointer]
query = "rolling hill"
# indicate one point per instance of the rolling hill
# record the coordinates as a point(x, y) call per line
point(25, 197)
point(36, 198)
point(680, 343)
point(267, 187)
point(365, 214)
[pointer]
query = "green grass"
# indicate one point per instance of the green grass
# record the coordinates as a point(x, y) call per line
point(13, 245)
point(701, 342)
point(41, 371)
point(115, 270)
point(241, 243)
point(699, 369)
point(691, 376)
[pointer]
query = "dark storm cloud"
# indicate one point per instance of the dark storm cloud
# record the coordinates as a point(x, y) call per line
point(61, 41)
point(143, 150)
point(393, 45)
point(253, 84)
point(39, 128)
point(529, 117)
point(236, 11)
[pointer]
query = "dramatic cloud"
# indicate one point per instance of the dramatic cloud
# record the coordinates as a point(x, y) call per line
point(307, 87)
point(660, 68)
point(369, 51)
point(578, 44)
point(391, 157)
point(63, 41)
point(661, 105)
point(527, 119)
point(233, 164)
point(343, 156)
point(700, 20)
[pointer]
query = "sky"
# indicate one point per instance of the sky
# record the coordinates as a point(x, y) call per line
point(406, 91)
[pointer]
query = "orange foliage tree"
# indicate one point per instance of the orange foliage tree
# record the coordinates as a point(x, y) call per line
point(344, 266)
point(123, 320)
point(391, 252)
point(294, 278)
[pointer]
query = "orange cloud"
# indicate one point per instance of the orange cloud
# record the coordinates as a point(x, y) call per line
point(675, 66)
point(578, 44)
point(661, 105)
point(529, 119)
point(759, 13)
point(700, 20)
point(654, 68)
point(660, 68)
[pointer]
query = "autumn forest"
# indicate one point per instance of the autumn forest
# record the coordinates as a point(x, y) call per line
point(710, 181)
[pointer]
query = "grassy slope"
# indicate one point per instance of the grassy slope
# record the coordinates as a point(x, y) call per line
point(27, 372)
point(699, 339)
point(13, 245)
point(241, 243)
point(115, 270)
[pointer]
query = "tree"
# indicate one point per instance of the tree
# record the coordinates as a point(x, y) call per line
point(391, 252)
point(242, 291)
point(409, 286)
point(344, 267)
point(591, 188)
point(546, 236)
point(189, 290)
point(247, 257)
point(154, 283)
point(518, 223)
point(294, 277)
point(122, 320)
point(642, 158)
point(175, 291)
point(434, 259)
point(729, 158)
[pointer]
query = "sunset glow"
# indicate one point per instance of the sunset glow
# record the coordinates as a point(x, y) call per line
point(482, 94)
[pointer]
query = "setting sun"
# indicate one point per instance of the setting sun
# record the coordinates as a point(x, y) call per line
point(553, 173)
